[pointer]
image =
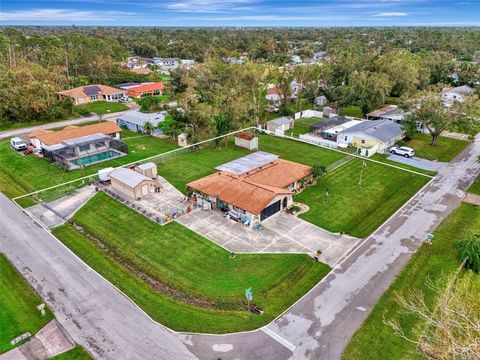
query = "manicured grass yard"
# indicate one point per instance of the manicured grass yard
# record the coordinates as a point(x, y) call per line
point(102, 107)
point(18, 306)
point(22, 174)
point(353, 110)
point(182, 169)
point(446, 149)
point(302, 126)
point(475, 187)
point(195, 268)
point(77, 353)
point(375, 339)
point(354, 209)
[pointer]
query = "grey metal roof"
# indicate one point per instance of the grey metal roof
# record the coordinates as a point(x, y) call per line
point(128, 177)
point(280, 121)
point(383, 130)
point(247, 163)
point(331, 122)
point(85, 139)
point(139, 118)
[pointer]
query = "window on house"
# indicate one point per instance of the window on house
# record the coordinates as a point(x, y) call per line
point(346, 138)
point(363, 141)
point(94, 97)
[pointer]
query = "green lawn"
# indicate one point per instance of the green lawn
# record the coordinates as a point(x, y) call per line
point(445, 150)
point(302, 126)
point(475, 187)
point(431, 262)
point(18, 306)
point(358, 209)
point(353, 110)
point(194, 269)
point(77, 353)
point(101, 107)
point(22, 174)
point(181, 169)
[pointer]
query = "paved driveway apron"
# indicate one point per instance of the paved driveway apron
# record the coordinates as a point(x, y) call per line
point(418, 162)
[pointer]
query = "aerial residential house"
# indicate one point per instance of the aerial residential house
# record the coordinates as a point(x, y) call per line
point(295, 59)
point(86, 94)
point(134, 120)
point(166, 64)
point(252, 188)
point(273, 96)
point(138, 90)
point(78, 146)
point(459, 93)
point(332, 128)
point(319, 55)
point(378, 134)
point(280, 125)
point(132, 183)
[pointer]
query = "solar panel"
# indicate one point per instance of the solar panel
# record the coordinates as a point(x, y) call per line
point(91, 90)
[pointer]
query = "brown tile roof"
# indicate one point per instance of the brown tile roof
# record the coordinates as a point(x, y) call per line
point(35, 133)
point(245, 136)
point(243, 194)
point(56, 137)
point(79, 92)
point(279, 173)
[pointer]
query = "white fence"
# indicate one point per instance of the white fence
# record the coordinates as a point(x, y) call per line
point(308, 114)
point(316, 140)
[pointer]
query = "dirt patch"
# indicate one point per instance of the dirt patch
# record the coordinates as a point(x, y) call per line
point(303, 208)
point(157, 285)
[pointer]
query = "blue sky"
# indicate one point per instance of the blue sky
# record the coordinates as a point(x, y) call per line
point(241, 12)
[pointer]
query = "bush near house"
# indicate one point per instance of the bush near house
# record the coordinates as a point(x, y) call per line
point(431, 263)
point(18, 306)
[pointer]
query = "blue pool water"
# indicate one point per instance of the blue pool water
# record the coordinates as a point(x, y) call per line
point(90, 159)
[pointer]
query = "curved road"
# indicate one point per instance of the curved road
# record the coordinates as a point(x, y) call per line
point(319, 326)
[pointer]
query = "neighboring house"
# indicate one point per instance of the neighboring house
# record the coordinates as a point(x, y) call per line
point(321, 100)
point(138, 90)
point(42, 138)
point(280, 124)
point(368, 133)
point(78, 146)
point(333, 127)
point(319, 55)
point(86, 94)
point(141, 71)
point(459, 93)
point(131, 183)
point(246, 140)
point(389, 112)
point(166, 64)
point(187, 63)
point(273, 96)
point(135, 120)
point(252, 188)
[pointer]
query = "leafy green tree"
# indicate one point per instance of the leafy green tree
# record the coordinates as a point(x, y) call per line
point(370, 89)
point(469, 250)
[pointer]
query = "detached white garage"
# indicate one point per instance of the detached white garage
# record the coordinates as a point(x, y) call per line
point(131, 183)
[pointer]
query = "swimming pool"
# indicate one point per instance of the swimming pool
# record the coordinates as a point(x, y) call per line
point(91, 159)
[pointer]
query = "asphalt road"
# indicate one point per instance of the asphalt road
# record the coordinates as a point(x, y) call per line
point(318, 327)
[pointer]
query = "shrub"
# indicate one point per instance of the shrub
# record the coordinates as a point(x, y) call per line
point(469, 248)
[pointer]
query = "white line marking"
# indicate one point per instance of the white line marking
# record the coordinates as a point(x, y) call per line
point(278, 338)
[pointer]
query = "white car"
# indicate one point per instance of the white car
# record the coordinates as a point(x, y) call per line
point(18, 144)
point(402, 150)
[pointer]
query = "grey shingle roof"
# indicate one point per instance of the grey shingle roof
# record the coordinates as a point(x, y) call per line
point(331, 122)
point(383, 130)
point(139, 118)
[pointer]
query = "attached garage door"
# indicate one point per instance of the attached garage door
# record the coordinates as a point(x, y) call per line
point(270, 210)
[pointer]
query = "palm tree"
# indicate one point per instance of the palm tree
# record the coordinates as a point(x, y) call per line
point(148, 128)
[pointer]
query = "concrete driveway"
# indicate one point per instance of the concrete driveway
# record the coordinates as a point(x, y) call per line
point(281, 233)
point(418, 162)
point(57, 212)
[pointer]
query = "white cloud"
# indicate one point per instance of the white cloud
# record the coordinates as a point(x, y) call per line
point(209, 5)
point(68, 15)
point(390, 14)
